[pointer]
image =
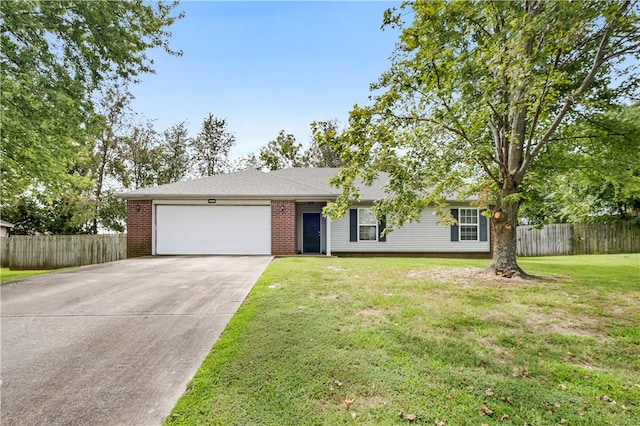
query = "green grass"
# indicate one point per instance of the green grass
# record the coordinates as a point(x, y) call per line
point(377, 341)
point(7, 275)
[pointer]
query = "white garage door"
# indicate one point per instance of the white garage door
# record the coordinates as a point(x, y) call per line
point(204, 229)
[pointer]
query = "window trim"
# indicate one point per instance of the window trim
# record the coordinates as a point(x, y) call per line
point(376, 224)
point(461, 224)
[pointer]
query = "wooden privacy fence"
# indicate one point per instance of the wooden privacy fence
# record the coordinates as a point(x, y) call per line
point(578, 238)
point(60, 251)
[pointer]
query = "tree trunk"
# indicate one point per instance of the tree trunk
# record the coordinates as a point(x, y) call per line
point(504, 220)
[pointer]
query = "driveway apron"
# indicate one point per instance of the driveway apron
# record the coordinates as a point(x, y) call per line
point(117, 343)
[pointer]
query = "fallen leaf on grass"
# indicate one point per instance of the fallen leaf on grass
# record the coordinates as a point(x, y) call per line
point(503, 417)
point(442, 422)
point(338, 383)
point(411, 417)
point(608, 399)
point(348, 402)
point(489, 392)
point(520, 372)
point(563, 387)
point(564, 421)
point(354, 415)
point(506, 398)
point(486, 410)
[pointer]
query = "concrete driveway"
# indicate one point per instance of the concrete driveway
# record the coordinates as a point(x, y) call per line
point(114, 344)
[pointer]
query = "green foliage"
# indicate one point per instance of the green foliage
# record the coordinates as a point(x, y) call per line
point(54, 57)
point(107, 161)
point(69, 214)
point(211, 146)
point(591, 176)
point(474, 96)
point(141, 157)
point(249, 161)
point(283, 152)
point(322, 152)
point(174, 154)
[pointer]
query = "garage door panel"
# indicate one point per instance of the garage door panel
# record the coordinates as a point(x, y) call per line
point(213, 229)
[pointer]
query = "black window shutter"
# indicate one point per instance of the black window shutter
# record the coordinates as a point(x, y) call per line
point(382, 225)
point(353, 224)
point(483, 227)
point(454, 227)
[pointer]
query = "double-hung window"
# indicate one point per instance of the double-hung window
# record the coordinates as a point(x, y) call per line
point(468, 220)
point(367, 225)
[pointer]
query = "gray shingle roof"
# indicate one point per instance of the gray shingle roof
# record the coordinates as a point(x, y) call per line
point(320, 177)
point(286, 183)
point(292, 183)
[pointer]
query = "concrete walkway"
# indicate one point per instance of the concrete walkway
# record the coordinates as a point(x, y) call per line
point(114, 344)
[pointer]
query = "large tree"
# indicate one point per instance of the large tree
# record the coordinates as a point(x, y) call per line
point(54, 56)
point(107, 155)
point(142, 157)
point(474, 96)
point(212, 145)
point(174, 155)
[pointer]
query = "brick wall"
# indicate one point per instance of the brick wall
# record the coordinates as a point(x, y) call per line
point(139, 232)
point(283, 227)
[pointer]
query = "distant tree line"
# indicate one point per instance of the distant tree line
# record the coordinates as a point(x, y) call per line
point(128, 153)
point(69, 140)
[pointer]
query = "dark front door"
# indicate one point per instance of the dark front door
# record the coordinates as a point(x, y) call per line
point(311, 232)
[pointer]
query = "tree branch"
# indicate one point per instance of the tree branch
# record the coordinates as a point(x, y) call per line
point(536, 116)
point(488, 171)
point(597, 63)
point(446, 104)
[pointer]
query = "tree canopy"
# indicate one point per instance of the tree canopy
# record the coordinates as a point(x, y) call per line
point(212, 145)
point(55, 56)
point(591, 177)
point(283, 152)
point(476, 93)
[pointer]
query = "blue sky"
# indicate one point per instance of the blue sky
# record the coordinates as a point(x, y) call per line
point(267, 66)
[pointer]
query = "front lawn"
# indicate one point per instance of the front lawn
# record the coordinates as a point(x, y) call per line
point(427, 341)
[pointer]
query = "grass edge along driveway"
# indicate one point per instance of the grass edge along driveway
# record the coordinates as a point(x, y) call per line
point(7, 275)
point(427, 341)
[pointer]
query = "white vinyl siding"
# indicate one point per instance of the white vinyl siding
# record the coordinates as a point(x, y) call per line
point(424, 236)
point(212, 229)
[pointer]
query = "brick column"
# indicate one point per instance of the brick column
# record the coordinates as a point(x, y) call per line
point(139, 231)
point(283, 227)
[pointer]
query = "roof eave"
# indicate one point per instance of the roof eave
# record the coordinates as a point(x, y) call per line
point(225, 196)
